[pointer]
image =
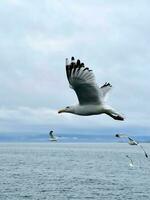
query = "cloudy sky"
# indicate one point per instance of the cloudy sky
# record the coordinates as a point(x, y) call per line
point(111, 37)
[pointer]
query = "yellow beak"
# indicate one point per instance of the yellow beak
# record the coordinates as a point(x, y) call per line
point(60, 111)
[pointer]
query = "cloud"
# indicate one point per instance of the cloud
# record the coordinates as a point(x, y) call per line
point(48, 45)
point(42, 119)
point(110, 37)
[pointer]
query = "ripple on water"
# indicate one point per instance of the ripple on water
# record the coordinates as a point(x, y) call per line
point(72, 171)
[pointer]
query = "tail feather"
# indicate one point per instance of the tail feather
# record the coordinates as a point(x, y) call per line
point(114, 115)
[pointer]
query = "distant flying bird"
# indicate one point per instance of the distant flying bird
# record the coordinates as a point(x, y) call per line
point(91, 97)
point(131, 161)
point(52, 137)
point(132, 142)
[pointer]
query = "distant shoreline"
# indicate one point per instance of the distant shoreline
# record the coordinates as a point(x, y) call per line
point(67, 138)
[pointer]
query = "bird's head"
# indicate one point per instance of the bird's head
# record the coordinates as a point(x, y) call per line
point(117, 135)
point(68, 109)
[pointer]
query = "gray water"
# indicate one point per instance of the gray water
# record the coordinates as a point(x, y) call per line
point(59, 171)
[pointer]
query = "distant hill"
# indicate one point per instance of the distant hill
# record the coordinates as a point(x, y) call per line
point(16, 137)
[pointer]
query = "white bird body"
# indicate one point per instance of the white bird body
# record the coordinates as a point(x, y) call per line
point(131, 162)
point(91, 97)
point(86, 110)
point(132, 142)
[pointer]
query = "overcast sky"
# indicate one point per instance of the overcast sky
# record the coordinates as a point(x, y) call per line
point(111, 37)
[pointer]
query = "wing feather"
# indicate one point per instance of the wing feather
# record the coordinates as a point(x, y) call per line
point(82, 80)
point(104, 89)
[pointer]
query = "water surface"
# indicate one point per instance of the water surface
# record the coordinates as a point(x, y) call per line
point(59, 171)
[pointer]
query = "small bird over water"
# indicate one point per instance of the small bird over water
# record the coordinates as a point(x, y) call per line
point(132, 142)
point(91, 97)
point(52, 137)
point(131, 161)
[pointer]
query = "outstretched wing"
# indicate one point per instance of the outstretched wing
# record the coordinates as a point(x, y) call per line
point(121, 135)
point(82, 80)
point(104, 89)
point(146, 155)
point(131, 141)
point(51, 134)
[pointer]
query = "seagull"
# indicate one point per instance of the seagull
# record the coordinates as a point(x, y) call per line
point(132, 142)
point(131, 161)
point(91, 97)
point(52, 137)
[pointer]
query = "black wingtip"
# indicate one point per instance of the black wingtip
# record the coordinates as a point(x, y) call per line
point(119, 118)
point(78, 62)
point(82, 64)
point(106, 84)
point(146, 155)
point(117, 135)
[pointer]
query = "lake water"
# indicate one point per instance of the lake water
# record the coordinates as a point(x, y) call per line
point(59, 171)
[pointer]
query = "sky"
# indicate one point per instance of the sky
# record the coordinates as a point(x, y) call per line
point(111, 37)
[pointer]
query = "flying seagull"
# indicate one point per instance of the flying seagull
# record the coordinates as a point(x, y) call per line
point(131, 161)
point(92, 98)
point(52, 137)
point(132, 142)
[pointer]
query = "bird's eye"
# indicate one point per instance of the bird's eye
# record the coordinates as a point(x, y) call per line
point(67, 107)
